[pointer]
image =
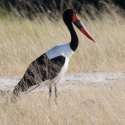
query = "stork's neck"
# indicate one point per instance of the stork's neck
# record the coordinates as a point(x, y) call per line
point(74, 39)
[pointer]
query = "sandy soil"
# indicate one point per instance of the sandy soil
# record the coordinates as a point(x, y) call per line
point(69, 81)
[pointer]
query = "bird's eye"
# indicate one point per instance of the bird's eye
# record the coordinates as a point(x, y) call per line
point(74, 18)
point(77, 16)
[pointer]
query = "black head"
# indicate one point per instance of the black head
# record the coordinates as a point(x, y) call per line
point(69, 16)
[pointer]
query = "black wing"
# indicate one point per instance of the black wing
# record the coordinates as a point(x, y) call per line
point(40, 70)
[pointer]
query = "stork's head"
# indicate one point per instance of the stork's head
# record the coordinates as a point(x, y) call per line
point(71, 16)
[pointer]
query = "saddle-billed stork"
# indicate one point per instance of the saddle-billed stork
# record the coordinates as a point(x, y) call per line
point(50, 67)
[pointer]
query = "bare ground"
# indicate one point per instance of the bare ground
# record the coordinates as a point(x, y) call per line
point(69, 81)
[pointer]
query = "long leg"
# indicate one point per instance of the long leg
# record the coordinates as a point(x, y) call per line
point(50, 93)
point(55, 94)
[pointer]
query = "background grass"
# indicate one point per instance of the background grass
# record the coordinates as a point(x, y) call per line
point(22, 41)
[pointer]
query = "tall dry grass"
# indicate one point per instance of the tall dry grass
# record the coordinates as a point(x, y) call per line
point(22, 41)
point(88, 105)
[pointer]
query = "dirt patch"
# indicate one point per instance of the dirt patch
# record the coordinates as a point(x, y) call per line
point(69, 81)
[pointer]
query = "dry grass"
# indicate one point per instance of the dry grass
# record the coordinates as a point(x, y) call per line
point(91, 104)
point(22, 41)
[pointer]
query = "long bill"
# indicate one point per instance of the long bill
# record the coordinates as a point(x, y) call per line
point(79, 25)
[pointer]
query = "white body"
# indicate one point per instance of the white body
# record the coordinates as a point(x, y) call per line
point(63, 49)
point(60, 50)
